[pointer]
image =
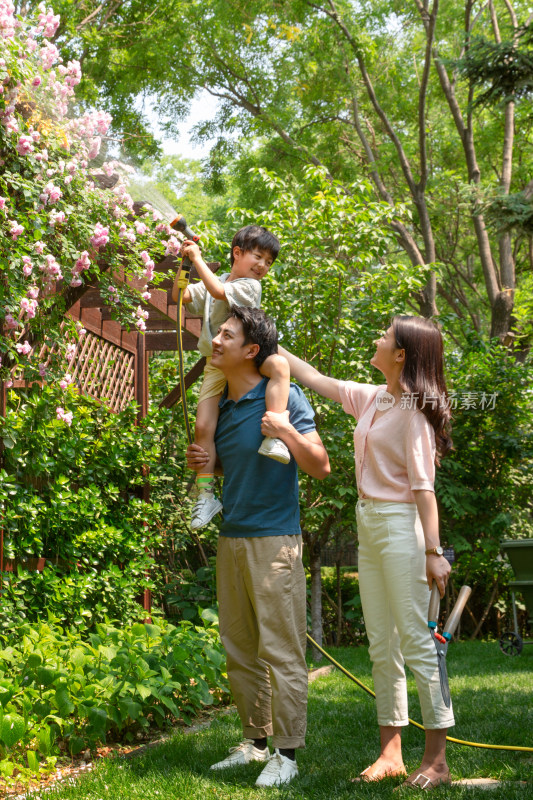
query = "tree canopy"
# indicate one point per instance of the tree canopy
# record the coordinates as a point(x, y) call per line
point(366, 89)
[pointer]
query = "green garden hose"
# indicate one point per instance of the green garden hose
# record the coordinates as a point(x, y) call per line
point(412, 721)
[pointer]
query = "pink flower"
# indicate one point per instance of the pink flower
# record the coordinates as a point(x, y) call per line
point(42, 370)
point(48, 22)
point(49, 53)
point(15, 229)
point(8, 383)
point(39, 248)
point(100, 236)
point(141, 324)
point(24, 146)
point(66, 416)
point(33, 292)
point(173, 247)
point(56, 218)
point(83, 262)
point(70, 351)
point(53, 193)
point(23, 349)
point(36, 81)
point(68, 179)
point(146, 296)
point(28, 307)
point(11, 322)
point(3, 202)
point(140, 227)
point(145, 257)
point(65, 382)
point(52, 267)
point(75, 282)
point(94, 149)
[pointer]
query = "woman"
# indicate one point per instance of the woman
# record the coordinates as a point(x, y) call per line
point(400, 435)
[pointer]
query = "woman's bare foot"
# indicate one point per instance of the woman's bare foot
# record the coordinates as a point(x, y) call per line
point(381, 769)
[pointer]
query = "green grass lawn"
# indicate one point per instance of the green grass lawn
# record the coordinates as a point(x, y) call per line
point(492, 695)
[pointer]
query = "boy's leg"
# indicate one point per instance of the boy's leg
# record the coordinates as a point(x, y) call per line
point(277, 370)
point(207, 505)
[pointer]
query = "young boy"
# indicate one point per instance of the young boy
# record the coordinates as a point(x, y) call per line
point(253, 251)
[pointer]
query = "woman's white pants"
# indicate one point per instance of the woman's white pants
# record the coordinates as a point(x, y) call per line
point(395, 599)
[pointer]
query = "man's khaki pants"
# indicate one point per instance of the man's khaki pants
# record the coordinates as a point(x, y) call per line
point(261, 598)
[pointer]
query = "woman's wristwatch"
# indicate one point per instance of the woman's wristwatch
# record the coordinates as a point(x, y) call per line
point(435, 551)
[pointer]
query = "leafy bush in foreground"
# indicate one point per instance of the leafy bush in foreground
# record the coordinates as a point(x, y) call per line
point(58, 691)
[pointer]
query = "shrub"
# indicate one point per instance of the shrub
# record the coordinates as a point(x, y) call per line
point(61, 691)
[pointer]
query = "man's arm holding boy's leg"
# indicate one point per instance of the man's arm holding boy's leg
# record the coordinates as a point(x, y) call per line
point(307, 448)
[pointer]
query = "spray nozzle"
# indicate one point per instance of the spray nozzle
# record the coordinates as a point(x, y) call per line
point(180, 224)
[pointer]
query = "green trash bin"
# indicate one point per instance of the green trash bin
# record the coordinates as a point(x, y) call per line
point(520, 554)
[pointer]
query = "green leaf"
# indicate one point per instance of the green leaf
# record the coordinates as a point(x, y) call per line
point(64, 703)
point(143, 691)
point(45, 676)
point(98, 721)
point(130, 707)
point(75, 745)
point(12, 729)
point(33, 761)
point(34, 660)
point(44, 740)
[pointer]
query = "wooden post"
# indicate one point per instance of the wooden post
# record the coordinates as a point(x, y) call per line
point(141, 397)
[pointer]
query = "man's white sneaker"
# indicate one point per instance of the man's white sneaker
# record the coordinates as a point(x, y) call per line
point(279, 769)
point(276, 449)
point(205, 508)
point(245, 752)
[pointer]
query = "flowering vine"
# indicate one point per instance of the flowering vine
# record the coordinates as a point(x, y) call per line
point(59, 230)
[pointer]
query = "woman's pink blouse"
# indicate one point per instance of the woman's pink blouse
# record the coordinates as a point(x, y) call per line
point(395, 454)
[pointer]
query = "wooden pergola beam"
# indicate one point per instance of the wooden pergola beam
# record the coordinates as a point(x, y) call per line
point(175, 395)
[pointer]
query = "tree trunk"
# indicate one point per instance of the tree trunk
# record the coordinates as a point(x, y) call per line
point(315, 564)
point(339, 603)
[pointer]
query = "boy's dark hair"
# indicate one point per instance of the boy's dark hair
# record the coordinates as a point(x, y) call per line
point(252, 236)
point(258, 329)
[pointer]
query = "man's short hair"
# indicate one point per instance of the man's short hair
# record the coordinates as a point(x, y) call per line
point(252, 236)
point(259, 329)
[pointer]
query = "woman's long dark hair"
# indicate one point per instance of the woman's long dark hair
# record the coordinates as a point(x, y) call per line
point(423, 374)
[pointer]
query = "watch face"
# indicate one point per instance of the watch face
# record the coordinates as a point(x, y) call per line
point(439, 551)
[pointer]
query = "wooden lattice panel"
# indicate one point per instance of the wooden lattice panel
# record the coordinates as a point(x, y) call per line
point(104, 371)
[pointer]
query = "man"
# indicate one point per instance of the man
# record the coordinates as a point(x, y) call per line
point(260, 576)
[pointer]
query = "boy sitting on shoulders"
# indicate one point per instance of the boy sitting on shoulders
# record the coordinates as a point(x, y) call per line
point(253, 251)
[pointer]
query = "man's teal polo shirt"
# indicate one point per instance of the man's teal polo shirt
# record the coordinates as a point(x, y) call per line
point(260, 496)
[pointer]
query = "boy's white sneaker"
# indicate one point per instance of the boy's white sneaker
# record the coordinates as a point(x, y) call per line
point(245, 752)
point(276, 449)
point(205, 508)
point(279, 769)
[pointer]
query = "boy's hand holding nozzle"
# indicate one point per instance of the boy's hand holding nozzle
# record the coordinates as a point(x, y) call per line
point(189, 253)
point(191, 250)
